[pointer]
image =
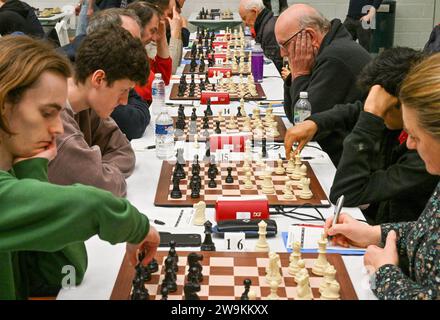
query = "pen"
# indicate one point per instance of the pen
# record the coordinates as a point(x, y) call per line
point(161, 223)
point(338, 209)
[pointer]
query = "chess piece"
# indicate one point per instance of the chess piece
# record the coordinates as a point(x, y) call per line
point(262, 245)
point(304, 291)
point(290, 164)
point(247, 285)
point(273, 291)
point(301, 265)
point(294, 258)
point(153, 266)
point(321, 262)
point(248, 182)
point(217, 127)
point(193, 260)
point(176, 193)
point(229, 178)
point(164, 293)
point(199, 213)
point(305, 192)
point(273, 270)
point(263, 148)
point(208, 108)
point(330, 288)
point(267, 186)
point(280, 168)
point(196, 142)
point(207, 244)
point(190, 290)
point(252, 295)
point(287, 192)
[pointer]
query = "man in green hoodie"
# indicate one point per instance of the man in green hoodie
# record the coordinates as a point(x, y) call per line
point(43, 226)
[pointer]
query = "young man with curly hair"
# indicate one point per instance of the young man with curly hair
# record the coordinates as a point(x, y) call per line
point(92, 146)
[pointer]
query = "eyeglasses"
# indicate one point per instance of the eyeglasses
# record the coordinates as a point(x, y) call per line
point(284, 45)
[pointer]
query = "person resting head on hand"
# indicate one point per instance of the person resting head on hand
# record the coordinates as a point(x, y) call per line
point(417, 240)
point(42, 225)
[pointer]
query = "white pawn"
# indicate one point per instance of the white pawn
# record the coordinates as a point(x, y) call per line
point(305, 192)
point(267, 186)
point(252, 295)
point(273, 269)
point(301, 268)
point(196, 141)
point(199, 213)
point(280, 168)
point(273, 291)
point(330, 288)
point(294, 258)
point(287, 191)
point(304, 291)
point(321, 262)
point(262, 245)
point(248, 182)
point(303, 170)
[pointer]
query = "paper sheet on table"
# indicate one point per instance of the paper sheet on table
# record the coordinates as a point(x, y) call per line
point(309, 235)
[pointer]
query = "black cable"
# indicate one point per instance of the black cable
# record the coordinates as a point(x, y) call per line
point(281, 210)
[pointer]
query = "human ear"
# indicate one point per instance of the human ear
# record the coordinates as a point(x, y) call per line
point(98, 78)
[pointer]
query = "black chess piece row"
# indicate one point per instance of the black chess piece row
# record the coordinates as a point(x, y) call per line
point(142, 275)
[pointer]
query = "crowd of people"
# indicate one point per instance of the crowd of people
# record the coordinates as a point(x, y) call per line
point(68, 115)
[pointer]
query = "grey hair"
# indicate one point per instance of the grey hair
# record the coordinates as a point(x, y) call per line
point(110, 18)
point(250, 4)
point(315, 21)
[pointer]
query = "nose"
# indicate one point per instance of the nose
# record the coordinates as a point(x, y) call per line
point(410, 143)
point(123, 99)
point(57, 127)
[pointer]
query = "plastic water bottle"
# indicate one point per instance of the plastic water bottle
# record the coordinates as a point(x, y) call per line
point(257, 62)
point(164, 135)
point(158, 95)
point(302, 109)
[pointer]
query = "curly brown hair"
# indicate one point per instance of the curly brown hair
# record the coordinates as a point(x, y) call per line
point(115, 51)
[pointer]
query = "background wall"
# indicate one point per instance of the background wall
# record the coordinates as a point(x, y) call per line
point(414, 18)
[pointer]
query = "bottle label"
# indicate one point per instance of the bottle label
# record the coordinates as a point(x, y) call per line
point(154, 91)
point(164, 128)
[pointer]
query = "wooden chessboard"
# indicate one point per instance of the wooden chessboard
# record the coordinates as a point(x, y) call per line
point(224, 273)
point(235, 189)
point(235, 71)
point(233, 95)
point(188, 56)
point(223, 127)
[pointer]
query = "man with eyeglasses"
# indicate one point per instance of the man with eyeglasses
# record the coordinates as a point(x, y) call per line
point(324, 61)
point(255, 15)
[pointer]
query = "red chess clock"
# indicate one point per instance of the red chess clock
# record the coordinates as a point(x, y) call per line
point(227, 72)
point(215, 97)
point(235, 142)
point(222, 44)
point(244, 207)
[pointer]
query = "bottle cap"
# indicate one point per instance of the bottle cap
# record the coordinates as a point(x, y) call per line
point(303, 95)
point(158, 75)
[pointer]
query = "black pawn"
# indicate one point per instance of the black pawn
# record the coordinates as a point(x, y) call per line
point(176, 193)
point(207, 244)
point(217, 127)
point(263, 148)
point(208, 108)
point(190, 290)
point(247, 285)
point(193, 115)
point(239, 114)
point(212, 183)
point(195, 192)
point(164, 293)
point(229, 178)
point(153, 266)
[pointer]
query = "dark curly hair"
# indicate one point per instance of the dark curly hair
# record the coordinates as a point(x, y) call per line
point(145, 11)
point(389, 69)
point(115, 51)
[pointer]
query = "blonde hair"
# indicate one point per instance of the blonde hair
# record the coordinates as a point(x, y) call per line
point(22, 61)
point(420, 92)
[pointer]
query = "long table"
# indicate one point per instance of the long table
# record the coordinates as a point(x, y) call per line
point(105, 259)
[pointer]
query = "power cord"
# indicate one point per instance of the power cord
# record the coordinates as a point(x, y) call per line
point(293, 214)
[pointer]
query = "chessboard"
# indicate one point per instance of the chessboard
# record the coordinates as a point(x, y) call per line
point(186, 136)
point(205, 53)
point(246, 70)
point(233, 94)
point(225, 272)
point(237, 187)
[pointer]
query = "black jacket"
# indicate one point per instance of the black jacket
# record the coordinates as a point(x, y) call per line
point(375, 168)
point(11, 22)
point(33, 25)
point(132, 118)
point(332, 79)
point(282, 4)
point(265, 35)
